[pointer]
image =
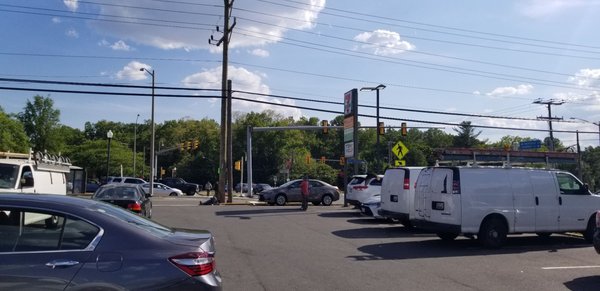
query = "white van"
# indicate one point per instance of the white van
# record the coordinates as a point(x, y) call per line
point(24, 173)
point(491, 202)
point(398, 194)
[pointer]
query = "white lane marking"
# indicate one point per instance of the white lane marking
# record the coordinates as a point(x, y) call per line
point(570, 267)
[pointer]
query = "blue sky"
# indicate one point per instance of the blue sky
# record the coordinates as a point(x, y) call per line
point(477, 57)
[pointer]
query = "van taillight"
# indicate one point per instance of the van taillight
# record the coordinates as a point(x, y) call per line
point(455, 187)
point(137, 207)
point(406, 183)
point(195, 263)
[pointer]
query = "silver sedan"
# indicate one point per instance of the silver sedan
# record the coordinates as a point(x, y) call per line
point(162, 190)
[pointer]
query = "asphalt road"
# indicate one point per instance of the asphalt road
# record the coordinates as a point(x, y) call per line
point(334, 248)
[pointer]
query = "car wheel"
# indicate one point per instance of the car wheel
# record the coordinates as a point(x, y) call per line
point(493, 233)
point(51, 222)
point(191, 192)
point(280, 200)
point(447, 236)
point(327, 199)
point(588, 234)
point(316, 203)
point(173, 194)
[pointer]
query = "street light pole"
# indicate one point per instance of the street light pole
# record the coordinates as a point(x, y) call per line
point(109, 136)
point(598, 124)
point(379, 87)
point(134, 144)
point(152, 169)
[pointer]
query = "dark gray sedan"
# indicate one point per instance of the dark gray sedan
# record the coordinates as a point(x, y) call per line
point(320, 192)
point(94, 245)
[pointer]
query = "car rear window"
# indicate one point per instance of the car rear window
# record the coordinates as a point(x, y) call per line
point(376, 182)
point(117, 193)
point(357, 180)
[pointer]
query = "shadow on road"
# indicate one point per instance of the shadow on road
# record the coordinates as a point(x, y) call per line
point(584, 283)
point(436, 248)
point(340, 214)
point(247, 214)
point(382, 232)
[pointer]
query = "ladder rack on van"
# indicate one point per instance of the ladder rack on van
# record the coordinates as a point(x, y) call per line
point(43, 161)
point(505, 157)
point(9, 155)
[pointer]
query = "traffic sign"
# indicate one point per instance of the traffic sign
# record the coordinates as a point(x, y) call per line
point(530, 144)
point(400, 150)
point(399, 163)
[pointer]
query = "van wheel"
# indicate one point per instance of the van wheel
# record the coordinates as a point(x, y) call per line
point(493, 233)
point(447, 236)
point(280, 200)
point(588, 234)
point(327, 200)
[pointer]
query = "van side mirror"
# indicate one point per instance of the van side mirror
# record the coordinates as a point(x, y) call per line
point(27, 182)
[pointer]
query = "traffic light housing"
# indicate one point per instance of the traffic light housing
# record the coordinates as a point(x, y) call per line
point(322, 160)
point(342, 160)
point(325, 125)
point(403, 129)
point(189, 145)
point(238, 165)
point(381, 128)
point(181, 146)
point(196, 144)
point(307, 159)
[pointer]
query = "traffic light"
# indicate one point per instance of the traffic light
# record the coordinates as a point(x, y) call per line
point(307, 159)
point(196, 144)
point(342, 160)
point(381, 128)
point(238, 165)
point(182, 146)
point(322, 160)
point(189, 145)
point(325, 125)
point(403, 129)
point(162, 171)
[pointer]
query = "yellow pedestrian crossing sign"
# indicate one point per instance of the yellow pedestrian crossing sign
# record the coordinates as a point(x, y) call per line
point(400, 150)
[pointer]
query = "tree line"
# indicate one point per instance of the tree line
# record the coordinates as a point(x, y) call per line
point(277, 155)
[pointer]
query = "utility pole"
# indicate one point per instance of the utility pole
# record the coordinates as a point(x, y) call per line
point(223, 142)
point(549, 104)
point(229, 158)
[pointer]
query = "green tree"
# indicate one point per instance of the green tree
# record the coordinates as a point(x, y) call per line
point(40, 120)
point(466, 136)
point(12, 134)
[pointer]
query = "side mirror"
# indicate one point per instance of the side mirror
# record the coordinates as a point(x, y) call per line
point(27, 182)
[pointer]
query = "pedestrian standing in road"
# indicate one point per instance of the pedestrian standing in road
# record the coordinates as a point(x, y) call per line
point(305, 189)
point(208, 187)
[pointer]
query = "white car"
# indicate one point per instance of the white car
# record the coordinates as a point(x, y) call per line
point(362, 188)
point(162, 190)
point(371, 207)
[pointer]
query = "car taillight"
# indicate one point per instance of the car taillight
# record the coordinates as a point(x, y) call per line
point(134, 206)
point(360, 187)
point(406, 183)
point(195, 263)
point(598, 219)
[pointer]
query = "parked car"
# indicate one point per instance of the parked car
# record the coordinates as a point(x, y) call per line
point(371, 207)
point(126, 180)
point(259, 187)
point(128, 196)
point(179, 183)
point(91, 186)
point(363, 187)
point(97, 246)
point(320, 192)
point(242, 188)
point(162, 190)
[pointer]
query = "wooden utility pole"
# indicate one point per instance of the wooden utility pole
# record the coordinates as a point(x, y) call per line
point(549, 103)
point(223, 161)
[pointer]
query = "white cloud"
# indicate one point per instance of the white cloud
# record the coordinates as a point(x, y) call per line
point(586, 78)
point(523, 89)
point(259, 53)
point(132, 71)
point(120, 46)
point(263, 30)
point(56, 20)
point(383, 42)
point(544, 8)
point(72, 33)
point(71, 4)
point(243, 80)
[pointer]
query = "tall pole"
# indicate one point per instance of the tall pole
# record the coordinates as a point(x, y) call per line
point(579, 169)
point(229, 158)
point(109, 136)
point(152, 169)
point(549, 104)
point(379, 87)
point(134, 144)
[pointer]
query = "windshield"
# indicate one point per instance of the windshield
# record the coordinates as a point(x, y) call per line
point(133, 219)
point(8, 176)
point(288, 183)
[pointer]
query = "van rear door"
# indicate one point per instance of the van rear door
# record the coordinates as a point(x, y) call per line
point(422, 195)
point(392, 198)
point(444, 200)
